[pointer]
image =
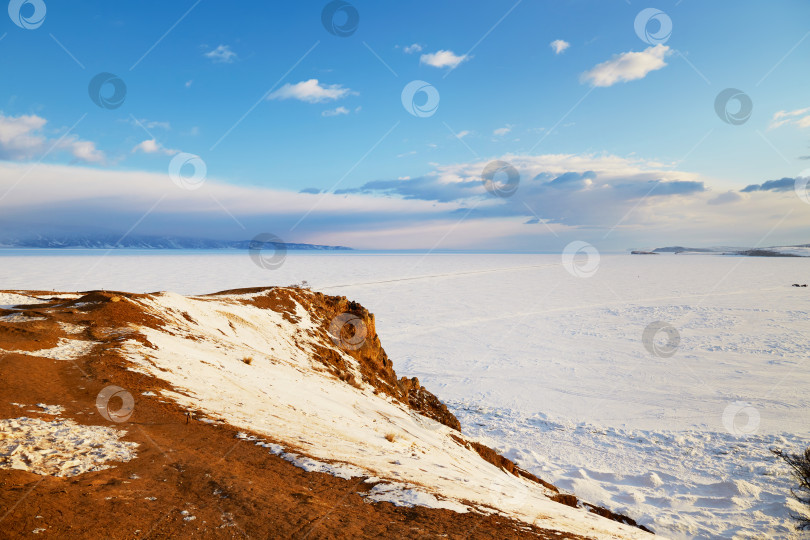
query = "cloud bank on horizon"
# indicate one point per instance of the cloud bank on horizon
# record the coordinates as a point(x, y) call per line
point(376, 128)
point(604, 199)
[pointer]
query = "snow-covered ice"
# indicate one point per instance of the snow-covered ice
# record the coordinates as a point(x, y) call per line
point(551, 369)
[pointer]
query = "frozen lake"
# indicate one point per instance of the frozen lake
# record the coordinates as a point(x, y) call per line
point(552, 369)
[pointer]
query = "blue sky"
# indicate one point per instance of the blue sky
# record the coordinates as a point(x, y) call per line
point(273, 104)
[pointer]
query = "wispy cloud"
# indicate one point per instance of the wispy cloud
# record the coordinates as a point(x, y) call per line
point(798, 117)
point(783, 184)
point(500, 132)
point(311, 91)
point(559, 45)
point(149, 124)
point(443, 59)
point(728, 197)
point(222, 55)
point(338, 111)
point(410, 49)
point(22, 138)
point(627, 66)
point(151, 146)
point(84, 151)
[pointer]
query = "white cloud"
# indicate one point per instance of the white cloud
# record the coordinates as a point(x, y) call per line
point(311, 91)
point(151, 146)
point(799, 117)
point(410, 49)
point(627, 66)
point(85, 151)
point(559, 45)
point(22, 138)
point(500, 132)
point(462, 134)
point(336, 111)
point(221, 55)
point(189, 83)
point(19, 136)
point(442, 59)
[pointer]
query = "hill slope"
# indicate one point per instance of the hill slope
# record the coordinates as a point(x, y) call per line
point(244, 413)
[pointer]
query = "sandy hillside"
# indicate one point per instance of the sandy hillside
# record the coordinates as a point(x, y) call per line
point(260, 412)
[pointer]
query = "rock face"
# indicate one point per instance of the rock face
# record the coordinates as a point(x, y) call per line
point(376, 367)
point(351, 328)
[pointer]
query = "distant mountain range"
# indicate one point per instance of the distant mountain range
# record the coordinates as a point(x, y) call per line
point(146, 242)
point(802, 250)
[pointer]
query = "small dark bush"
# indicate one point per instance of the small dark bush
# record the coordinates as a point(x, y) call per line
point(800, 467)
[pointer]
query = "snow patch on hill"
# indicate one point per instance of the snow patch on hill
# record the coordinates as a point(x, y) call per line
point(61, 447)
point(66, 349)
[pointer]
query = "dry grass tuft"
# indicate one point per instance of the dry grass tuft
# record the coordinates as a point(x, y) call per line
point(390, 437)
point(248, 360)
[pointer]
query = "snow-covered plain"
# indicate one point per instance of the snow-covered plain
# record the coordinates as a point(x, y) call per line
point(551, 368)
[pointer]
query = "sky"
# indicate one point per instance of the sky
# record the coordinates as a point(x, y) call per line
point(503, 125)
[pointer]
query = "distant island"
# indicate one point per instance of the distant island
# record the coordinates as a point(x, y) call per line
point(681, 249)
point(801, 250)
point(147, 242)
